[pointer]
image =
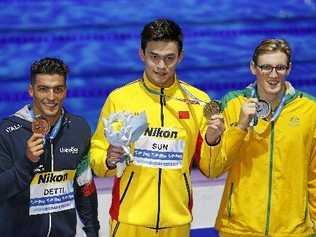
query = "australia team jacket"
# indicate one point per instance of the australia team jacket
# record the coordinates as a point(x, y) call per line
point(155, 189)
point(271, 183)
point(64, 152)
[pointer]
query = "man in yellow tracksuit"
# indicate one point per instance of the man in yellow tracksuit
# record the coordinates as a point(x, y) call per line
point(153, 197)
point(271, 161)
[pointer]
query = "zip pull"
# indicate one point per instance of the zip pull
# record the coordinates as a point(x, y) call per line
point(162, 97)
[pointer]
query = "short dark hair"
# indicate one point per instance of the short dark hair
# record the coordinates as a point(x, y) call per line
point(48, 66)
point(272, 45)
point(162, 30)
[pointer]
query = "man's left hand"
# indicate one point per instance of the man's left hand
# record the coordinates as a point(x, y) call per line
point(215, 129)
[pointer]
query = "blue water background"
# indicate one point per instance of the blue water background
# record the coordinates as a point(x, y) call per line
point(99, 40)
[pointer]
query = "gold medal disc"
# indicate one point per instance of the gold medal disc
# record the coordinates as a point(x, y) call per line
point(211, 108)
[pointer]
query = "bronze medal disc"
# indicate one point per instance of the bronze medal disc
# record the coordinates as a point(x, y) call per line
point(40, 125)
point(211, 108)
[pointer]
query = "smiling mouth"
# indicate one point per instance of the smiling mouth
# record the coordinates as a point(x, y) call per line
point(273, 83)
point(161, 73)
point(50, 106)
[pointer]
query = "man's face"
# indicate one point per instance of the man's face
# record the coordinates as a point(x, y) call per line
point(271, 71)
point(48, 93)
point(160, 59)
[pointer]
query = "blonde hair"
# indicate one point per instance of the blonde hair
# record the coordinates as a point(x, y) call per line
point(272, 45)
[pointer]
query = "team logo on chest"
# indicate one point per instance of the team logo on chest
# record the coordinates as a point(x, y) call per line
point(70, 150)
point(294, 121)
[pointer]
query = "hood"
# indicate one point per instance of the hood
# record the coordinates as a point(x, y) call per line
point(24, 113)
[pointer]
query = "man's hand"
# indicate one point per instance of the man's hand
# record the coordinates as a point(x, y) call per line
point(215, 129)
point(247, 112)
point(35, 147)
point(114, 154)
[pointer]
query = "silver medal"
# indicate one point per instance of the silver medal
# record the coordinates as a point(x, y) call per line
point(263, 109)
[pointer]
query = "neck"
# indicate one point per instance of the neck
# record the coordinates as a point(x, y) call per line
point(273, 99)
point(51, 119)
point(166, 84)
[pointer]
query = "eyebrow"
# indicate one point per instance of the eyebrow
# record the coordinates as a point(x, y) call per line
point(168, 54)
point(51, 86)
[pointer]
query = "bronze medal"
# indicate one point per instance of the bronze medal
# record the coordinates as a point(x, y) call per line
point(40, 125)
point(211, 108)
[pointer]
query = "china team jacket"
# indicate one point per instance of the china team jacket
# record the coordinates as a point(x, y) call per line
point(271, 183)
point(16, 173)
point(155, 190)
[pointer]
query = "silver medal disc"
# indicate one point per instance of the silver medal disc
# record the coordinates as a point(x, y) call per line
point(263, 109)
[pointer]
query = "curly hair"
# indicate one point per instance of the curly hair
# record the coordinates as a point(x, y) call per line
point(162, 30)
point(48, 66)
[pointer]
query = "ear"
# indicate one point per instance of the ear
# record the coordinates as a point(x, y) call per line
point(66, 90)
point(30, 90)
point(253, 68)
point(180, 56)
point(141, 54)
point(290, 68)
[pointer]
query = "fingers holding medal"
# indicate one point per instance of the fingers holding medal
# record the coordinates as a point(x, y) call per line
point(215, 122)
point(35, 144)
point(252, 110)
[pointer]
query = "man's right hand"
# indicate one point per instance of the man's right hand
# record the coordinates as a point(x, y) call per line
point(247, 112)
point(114, 154)
point(35, 147)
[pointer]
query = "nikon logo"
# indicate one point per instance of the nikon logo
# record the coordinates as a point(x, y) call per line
point(71, 150)
point(159, 132)
point(51, 178)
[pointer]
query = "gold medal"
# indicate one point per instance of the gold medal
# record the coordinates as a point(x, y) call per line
point(40, 125)
point(211, 108)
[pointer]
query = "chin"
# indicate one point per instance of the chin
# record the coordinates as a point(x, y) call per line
point(50, 113)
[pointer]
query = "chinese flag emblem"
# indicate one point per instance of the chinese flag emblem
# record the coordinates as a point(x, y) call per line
point(184, 115)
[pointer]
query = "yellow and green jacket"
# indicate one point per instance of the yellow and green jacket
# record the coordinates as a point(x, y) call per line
point(155, 190)
point(271, 182)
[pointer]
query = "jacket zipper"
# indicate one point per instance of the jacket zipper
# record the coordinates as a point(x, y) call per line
point(270, 179)
point(306, 207)
point(127, 186)
point(187, 187)
point(229, 206)
point(115, 229)
point(162, 103)
point(52, 170)
point(158, 207)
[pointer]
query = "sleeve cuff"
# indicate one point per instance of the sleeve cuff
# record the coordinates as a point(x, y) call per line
point(215, 143)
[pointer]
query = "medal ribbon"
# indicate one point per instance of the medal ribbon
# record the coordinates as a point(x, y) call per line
point(55, 129)
point(276, 113)
point(193, 100)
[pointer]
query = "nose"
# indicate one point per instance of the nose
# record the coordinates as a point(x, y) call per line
point(274, 73)
point(161, 64)
point(51, 94)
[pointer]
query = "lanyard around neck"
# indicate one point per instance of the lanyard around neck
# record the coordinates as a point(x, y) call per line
point(56, 127)
point(193, 99)
point(278, 110)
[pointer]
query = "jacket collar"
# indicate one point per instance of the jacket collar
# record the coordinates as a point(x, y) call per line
point(290, 92)
point(25, 116)
point(153, 89)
